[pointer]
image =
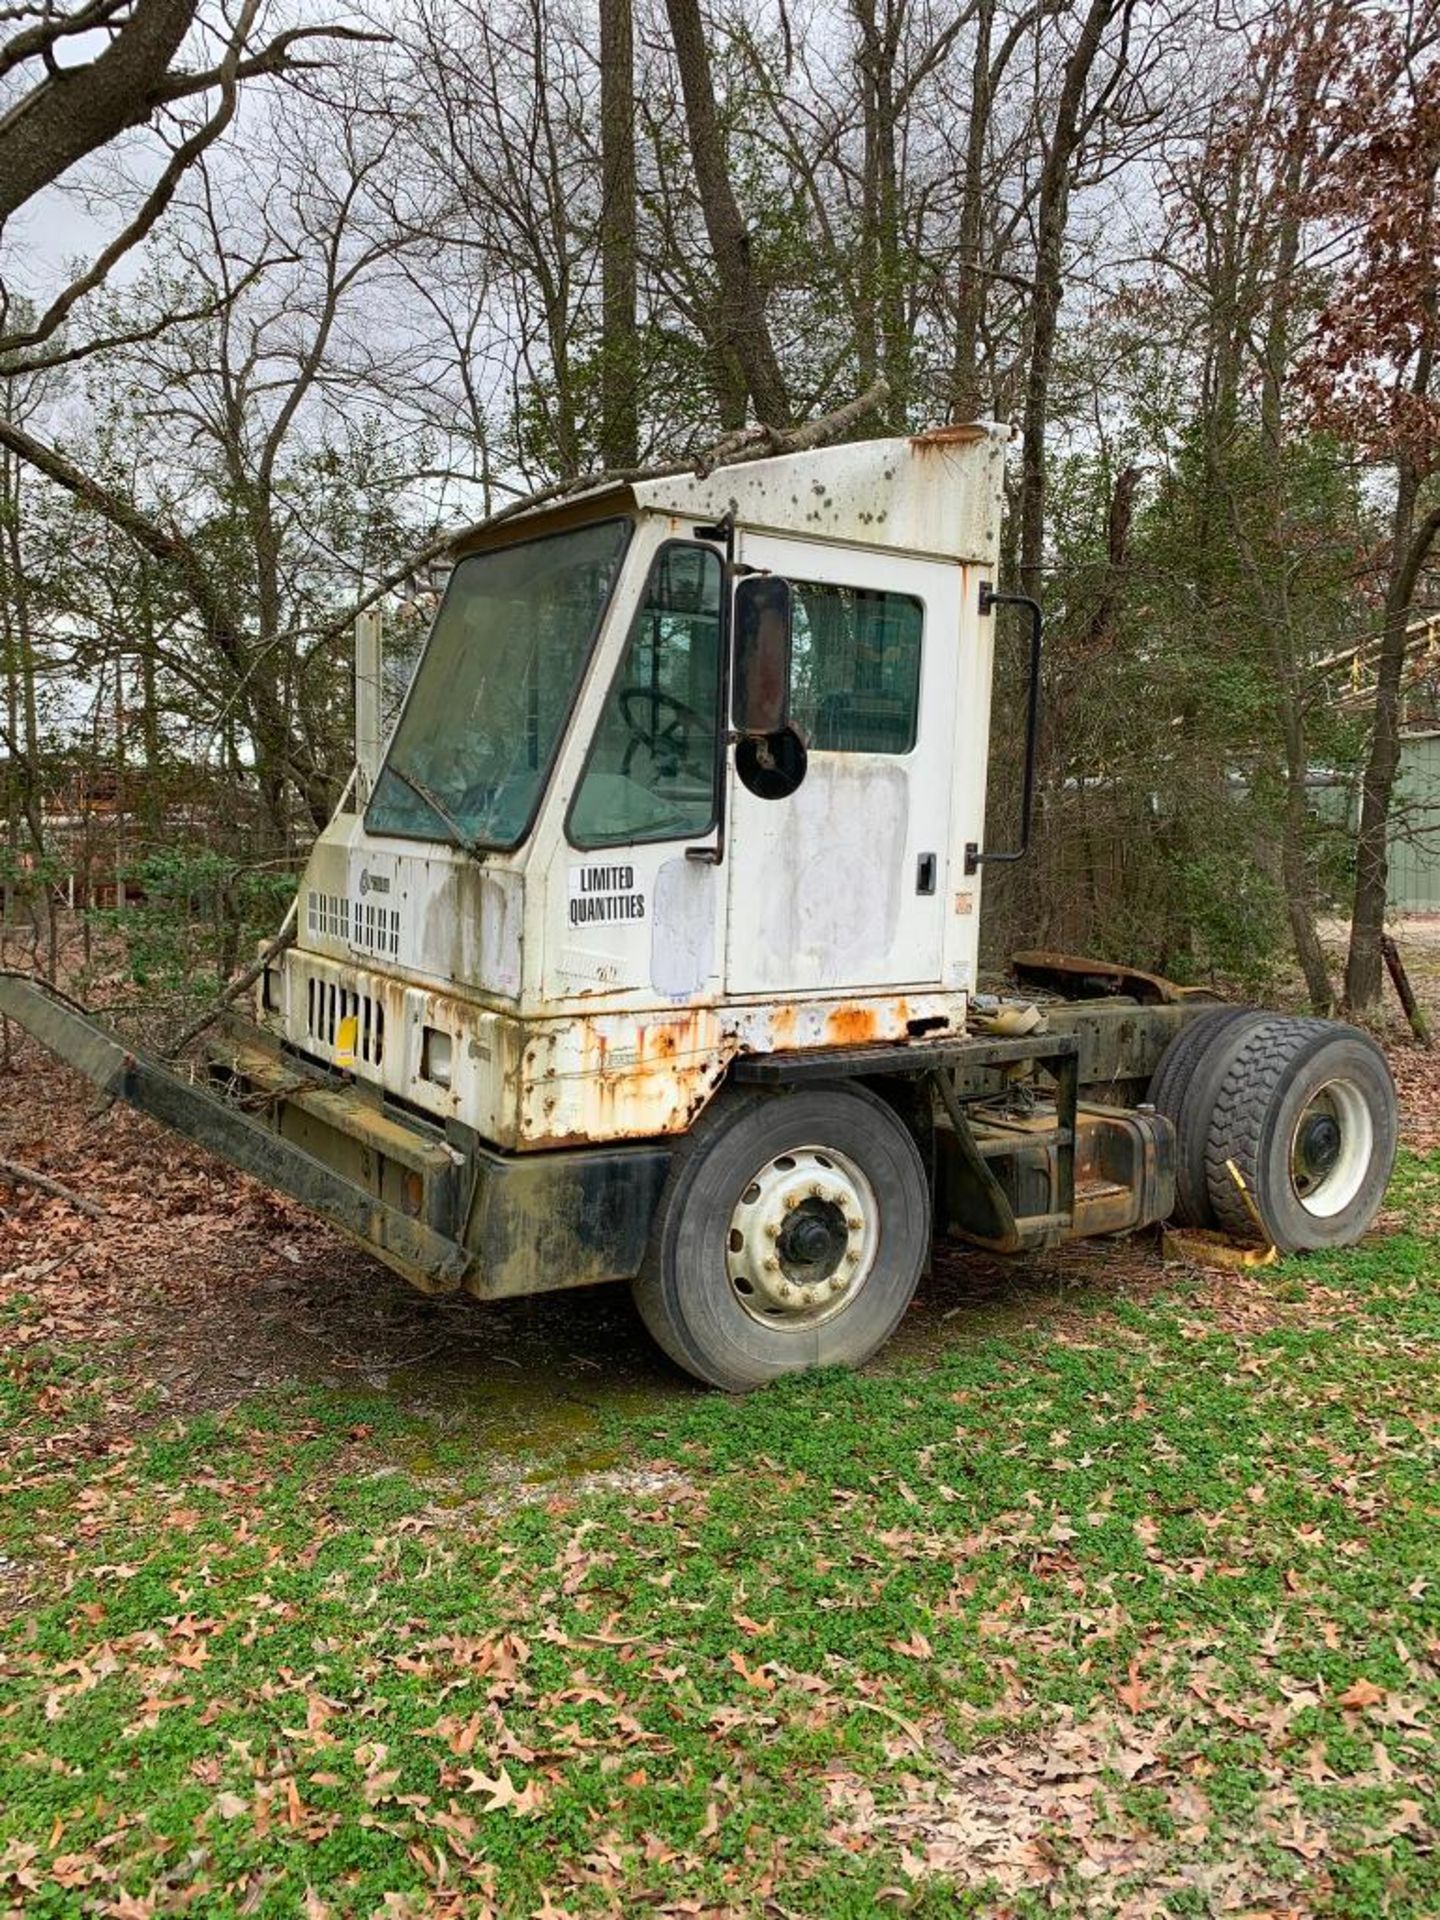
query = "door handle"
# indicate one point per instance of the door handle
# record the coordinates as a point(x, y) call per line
point(925, 873)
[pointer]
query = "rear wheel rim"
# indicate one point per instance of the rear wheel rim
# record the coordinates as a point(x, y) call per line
point(802, 1239)
point(1331, 1149)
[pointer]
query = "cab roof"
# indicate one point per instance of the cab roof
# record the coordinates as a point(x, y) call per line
point(935, 494)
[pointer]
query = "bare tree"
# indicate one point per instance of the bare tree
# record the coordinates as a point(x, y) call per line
point(742, 298)
point(1088, 84)
point(58, 115)
point(502, 100)
point(255, 489)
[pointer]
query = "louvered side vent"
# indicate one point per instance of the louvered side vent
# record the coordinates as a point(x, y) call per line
point(377, 928)
point(328, 914)
point(327, 1005)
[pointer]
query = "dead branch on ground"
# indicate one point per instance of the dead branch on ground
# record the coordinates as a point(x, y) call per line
point(27, 1176)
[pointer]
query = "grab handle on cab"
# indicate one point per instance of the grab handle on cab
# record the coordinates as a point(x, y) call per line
point(989, 600)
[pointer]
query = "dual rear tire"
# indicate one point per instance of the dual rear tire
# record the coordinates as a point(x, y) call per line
point(1303, 1111)
point(794, 1226)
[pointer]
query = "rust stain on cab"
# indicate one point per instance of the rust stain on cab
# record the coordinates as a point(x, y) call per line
point(636, 1084)
point(852, 1026)
point(646, 1079)
point(964, 435)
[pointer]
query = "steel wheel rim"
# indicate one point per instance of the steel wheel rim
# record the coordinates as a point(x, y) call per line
point(1331, 1149)
point(802, 1239)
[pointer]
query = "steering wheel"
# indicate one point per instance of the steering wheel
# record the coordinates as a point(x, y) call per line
point(675, 734)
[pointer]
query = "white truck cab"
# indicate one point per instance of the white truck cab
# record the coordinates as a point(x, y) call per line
point(648, 950)
point(574, 896)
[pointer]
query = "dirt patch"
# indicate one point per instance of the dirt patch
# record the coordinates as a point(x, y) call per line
point(212, 1289)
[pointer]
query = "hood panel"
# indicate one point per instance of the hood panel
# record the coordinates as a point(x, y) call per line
point(425, 911)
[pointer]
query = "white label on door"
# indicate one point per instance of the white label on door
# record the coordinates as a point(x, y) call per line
point(602, 894)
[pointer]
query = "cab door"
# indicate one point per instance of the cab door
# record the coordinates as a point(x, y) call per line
point(841, 884)
point(635, 899)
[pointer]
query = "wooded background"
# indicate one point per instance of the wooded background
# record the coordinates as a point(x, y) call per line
point(284, 293)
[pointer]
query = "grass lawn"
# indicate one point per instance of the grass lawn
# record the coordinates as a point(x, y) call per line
point(1138, 1613)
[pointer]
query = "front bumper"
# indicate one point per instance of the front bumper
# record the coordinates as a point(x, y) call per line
point(519, 1223)
point(434, 1203)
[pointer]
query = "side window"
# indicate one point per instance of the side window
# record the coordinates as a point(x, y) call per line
point(855, 669)
point(651, 770)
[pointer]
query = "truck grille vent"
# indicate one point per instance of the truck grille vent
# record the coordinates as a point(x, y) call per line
point(377, 929)
point(328, 913)
point(328, 1005)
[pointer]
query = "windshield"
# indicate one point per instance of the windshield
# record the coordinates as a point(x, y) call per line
point(494, 689)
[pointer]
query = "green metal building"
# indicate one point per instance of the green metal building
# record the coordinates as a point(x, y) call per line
point(1415, 826)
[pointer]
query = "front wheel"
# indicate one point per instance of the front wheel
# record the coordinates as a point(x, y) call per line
point(791, 1234)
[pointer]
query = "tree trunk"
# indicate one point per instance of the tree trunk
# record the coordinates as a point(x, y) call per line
point(1293, 679)
point(25, 745)
point(884, 336)
point(619, 372)
point(1052, 211)
point(1294, 871)
point(1410, 547)
point(967, 402)
point(742, 300)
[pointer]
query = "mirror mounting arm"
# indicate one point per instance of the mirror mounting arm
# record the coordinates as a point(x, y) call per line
point(722, 532)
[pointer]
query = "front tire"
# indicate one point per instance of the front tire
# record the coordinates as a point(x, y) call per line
point(791, 1234)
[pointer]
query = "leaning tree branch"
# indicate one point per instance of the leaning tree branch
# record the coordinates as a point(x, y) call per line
point(284, 938)
point(41, 38)
point(170, 548)
point(154, 205)
point(272, 59)
point(757, 442)
point(73, 112)
point(17, 361)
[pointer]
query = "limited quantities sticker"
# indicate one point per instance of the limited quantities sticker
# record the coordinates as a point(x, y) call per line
point(604, 893)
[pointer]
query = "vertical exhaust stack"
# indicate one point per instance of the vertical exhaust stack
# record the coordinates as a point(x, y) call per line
point(367, 702)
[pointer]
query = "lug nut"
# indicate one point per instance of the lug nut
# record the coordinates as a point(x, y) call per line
point(854, 1222)
point(792, 1200)
point(808, 1296)
point(817, 1192)
point(772, 1266)
point(772, 1229)
point(837, 1285)
point(786, 1291)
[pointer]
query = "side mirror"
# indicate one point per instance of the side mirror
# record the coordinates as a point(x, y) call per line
point(764, 611)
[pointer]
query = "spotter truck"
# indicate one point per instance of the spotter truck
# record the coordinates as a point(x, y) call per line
point(645, 950)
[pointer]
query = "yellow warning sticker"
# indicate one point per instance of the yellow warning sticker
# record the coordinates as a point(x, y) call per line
point(345, 1037)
